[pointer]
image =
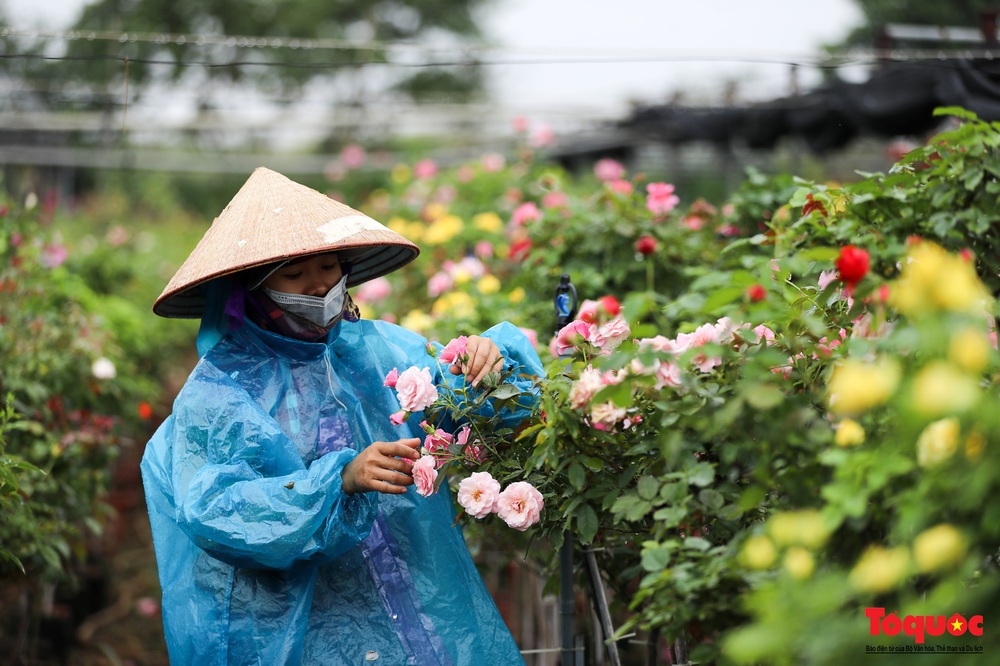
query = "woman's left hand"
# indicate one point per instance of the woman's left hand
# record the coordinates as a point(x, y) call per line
point(482, 357)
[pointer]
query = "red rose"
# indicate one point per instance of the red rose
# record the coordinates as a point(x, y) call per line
point(756, 293)
point(611, 305)
point(145, 411)
point(646, 245)
point(852, 265)
point(520, 250)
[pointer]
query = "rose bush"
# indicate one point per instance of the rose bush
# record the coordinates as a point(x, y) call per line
point(769, 414)
point(757, 452)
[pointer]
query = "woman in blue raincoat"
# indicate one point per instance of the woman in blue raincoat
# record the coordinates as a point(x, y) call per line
point(284, 524)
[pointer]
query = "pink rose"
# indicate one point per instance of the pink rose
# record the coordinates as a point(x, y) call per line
point(607, 170)
point(424, 474)
point(660, 198)
point(373, 291)
point(825, 278)
point(353, 156)
point(612, 334)
point(607, 414)
point(493, 162)
point(54, 255)
point(463, 435)
point(573, 334)
point(437, 442)
point(667, 374)
point(415, 389)
point(526, 212)
point(454, 350)
point(476, 452)
point(555, 199)
point(397, 418)
point(588, 311)
point(425, 169)
point(621, 186)
point(694, 222)
point(478, 494)
point(520, 505)
point(725, 330)
point(764, 333)
point(531, 334)
point(484, 249)
point(542, 136)
point(439, 283)
point(584, 388)
point(391, 378)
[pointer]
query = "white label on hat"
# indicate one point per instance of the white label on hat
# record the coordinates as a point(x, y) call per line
point(340, 228)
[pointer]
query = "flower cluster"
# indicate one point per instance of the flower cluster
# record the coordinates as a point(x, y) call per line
point(520, 504)
point(599, 326)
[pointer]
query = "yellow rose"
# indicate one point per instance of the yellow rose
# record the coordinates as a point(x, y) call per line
point(849, 433)
point(454, 303)
point(443, 229)
point(939, 547)
point(400, 174)
point(941, 388)
point(857, 386)
point(417, 320)
point(799, 562)
point(959, 288)
point(488, 284)
point(516, 295)
point(806, 528)
point(397, 224)
point(880, 569)
point(488, 222)
point(937, 442)
point(461, 276)
point(434, 211)
point(759, 552)
point(970, 349)
point(932, 279)
point(415, 231)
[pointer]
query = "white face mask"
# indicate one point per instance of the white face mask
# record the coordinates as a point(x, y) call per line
point(319, 310)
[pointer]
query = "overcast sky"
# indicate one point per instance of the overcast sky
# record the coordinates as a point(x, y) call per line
point(630, 50)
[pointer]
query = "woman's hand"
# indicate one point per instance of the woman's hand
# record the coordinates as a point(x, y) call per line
point(483, 356)
point(383, 467)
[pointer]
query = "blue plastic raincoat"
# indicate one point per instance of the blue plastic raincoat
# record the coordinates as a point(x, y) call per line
point(263, 559)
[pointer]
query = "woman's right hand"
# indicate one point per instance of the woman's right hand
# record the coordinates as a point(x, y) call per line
point(383, 467)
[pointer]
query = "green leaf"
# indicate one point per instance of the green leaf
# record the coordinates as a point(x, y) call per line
point(655, 559)
point(586, 523)
point(577, 475)
point(638, 510)
point(505, 392)
point(821, 254)
point(697, 543)
point(713, 499)
point(670, 516)
point(956, 111)
point(751, 498)
point(649, 487)
point(762, 395)
point(721, 297)
point(701, 475)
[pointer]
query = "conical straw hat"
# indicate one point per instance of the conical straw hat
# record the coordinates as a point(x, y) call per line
point(273, 218)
